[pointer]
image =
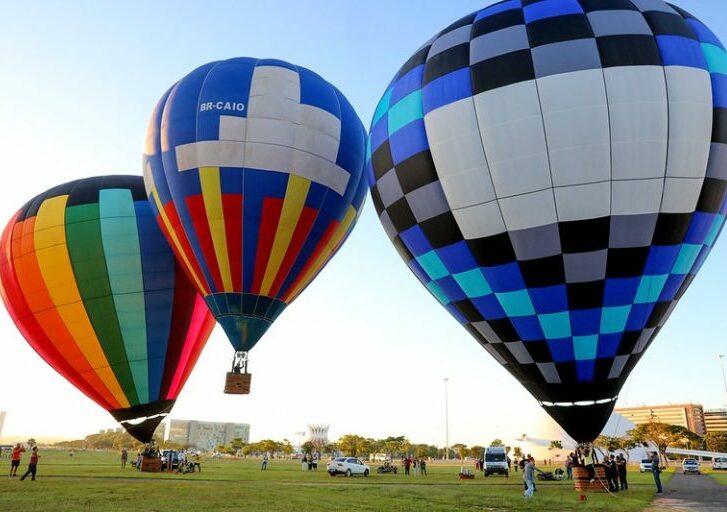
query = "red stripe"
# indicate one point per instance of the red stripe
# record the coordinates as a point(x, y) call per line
point(232, 208)
point(272, 206)
point(305, 223)
point(198, 214)
point(319, 249)
point(176, 224)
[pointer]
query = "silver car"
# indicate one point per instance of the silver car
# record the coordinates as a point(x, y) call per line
point(690, 466)
point(348, 466)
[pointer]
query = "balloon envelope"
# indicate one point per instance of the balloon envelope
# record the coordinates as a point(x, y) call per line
point(94, 288)
point(255, 171)
point(554, 173)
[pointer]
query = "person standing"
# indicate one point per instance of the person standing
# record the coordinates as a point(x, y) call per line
point(423, 467)
point(32, 464)
point(611, 473)
point(15, 456)
point(264, 467)
point(529, 477)
point(621, 467)
point(569, 467)
point(407, 465)
point(656, 471)
point(124, 457)
point(590, 462)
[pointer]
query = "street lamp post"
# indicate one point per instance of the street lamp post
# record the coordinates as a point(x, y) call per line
point(724, 379)
point(446, 417)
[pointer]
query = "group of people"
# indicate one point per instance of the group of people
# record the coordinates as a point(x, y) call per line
point(309, 462)
point(16, 455)
point(419, 465)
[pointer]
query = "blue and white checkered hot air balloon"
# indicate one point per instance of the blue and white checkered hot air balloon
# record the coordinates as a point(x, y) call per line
point(554, 172)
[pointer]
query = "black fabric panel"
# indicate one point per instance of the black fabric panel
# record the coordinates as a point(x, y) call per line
point(492, 250)
point(628, 342)
point(585, 295)
point(376, 198)
point(403, 251)
point(607, 5)
point(667, 24)
point(401, 215)
point(712, 195)
point(539, 351)
point(419, 58)
point(462, 22)
point(719, 125)
point(497, 22)
point(657, 314)
point(441, 230)
point(541, 272)
point(511, 68)
point(682, 12)
point(583, 423)
point(633, 50)
point(504, 329)
point(584, 235)
point(671, 228)
point(628, 262)
point(559, 28)
point(684, 286)
point(381, 160)
point(143, 431)
point(449, 60)
point(416, 171)
point(468, 310)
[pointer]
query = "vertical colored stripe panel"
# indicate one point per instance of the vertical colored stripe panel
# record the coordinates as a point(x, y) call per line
point(86, 251)
point(289, 294)
point(305, 223)
point(293, 204)
point(232, 206)
point(209, 178)
point(272, 208)
point(182, 251)
point(120, 240)
point(58, 275)
point(201, 227)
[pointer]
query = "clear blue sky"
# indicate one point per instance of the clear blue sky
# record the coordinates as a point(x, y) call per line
point(79, 81)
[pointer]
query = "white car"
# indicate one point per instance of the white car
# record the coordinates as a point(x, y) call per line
point(719, 463)
point(690, 466)
point(645, 465)
point(348, 466)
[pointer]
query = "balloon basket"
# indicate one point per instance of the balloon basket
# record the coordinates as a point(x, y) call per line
point(151, 464)
point(237, 383)
point(583, 482)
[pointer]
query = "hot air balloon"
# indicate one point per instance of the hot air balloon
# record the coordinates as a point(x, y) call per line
point(94, 288)
point(254, 169)
point(554, 173)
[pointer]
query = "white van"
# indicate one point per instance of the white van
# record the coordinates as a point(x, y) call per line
point(719, 463)
point(496, 461)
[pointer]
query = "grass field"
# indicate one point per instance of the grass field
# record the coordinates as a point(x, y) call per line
point(94, 481)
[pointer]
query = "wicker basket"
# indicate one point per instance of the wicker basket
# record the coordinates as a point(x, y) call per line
point(237, 383)
point(583, 483)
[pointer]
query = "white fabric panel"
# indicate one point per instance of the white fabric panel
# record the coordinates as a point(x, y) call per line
point(210, 153)
point(456, 148)
point(583, 201)
point(528, 210)
point(318, 119)
point(275, 81)
point(480, 220)
point(280, 132)
point(619, 363)
point(232, 128)
point(635, 197)
point(148, 178)
point(549, 372)
point(453, 38)
point(389, 188)
point(681, 194)
point(494, 353)
point(512, 132)
point(388, 225)
point(486, 331)
point(618, 23)
point(498, 43)
point(639, 121)
point(576, 127)
point(690, 121)
point(519, 352)
point(312, 141)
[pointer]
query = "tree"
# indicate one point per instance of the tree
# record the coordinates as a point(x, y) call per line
point(555, 445)
point(287, 448)
point(508, 449)
point(31, 442)
point(497, 442)
point(663, 436)
point(517, 452)
point(308, 447)
point(716, 441)
point(476, 451)
point(352, 445)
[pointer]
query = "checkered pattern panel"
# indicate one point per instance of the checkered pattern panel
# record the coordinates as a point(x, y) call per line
point(554, 172)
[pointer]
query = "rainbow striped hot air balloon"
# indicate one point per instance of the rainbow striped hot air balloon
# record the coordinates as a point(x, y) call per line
point(255, 171)
point(94, 288)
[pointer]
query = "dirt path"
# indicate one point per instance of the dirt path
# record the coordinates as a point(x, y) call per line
point(693, 493)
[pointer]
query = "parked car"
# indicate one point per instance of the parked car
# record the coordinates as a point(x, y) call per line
point(496, 461)
point(170, 457)
point(348, 466)
point(690, 466)
point(645, 465)
point(719, 463)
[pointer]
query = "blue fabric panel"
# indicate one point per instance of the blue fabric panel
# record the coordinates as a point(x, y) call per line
point(528, 328)
point(415, 240)
point(498, 8)
point(447, 89)
point(686, 258)
point(671, 287)
point(551, 8)
point(585, 322)
point(457, 257)
point(516, 303)
point(585, 370)
point(456, 314)
point(650, 288)
point(438, 293)
point(419, 271)
point(228, 81)
point(699, 227)
point(681, 51)
point(613, 319)
point(351, 155)
point(489, 307)
point(585, 347)
point(317, 92)
point(562, 350)
point(703, 33)
point(410, 82)
point(432, 265)
point(608, 345)
point(638, 316)
point(504, 278)
point(620, 291)
point(550, 299)
point(379, 133)
point(556, 325)
point(719, 90)
point(473, 283)
point(661, 259)
point(451, 289)
point(408, 141)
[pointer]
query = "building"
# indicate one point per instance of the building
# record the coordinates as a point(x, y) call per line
point(2, 421)
point(318, 434)
point(690, 416)
point(715, 420)
point(205, 435)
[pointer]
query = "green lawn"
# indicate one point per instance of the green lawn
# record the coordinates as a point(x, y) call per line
point(719, 476)
point(93, 481)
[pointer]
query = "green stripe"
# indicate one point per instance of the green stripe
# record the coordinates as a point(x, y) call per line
point(83, 234)
point(123, 262)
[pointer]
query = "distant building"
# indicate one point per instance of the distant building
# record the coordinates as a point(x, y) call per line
point(205, 435)
point(715, 420)
point(690, 416)
point(318, 434)
point(2, 421)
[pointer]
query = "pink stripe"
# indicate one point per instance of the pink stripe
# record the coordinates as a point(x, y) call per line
point(199, 316)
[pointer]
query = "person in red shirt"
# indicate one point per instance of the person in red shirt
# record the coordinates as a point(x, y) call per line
point(15, 459)
point(32, 464)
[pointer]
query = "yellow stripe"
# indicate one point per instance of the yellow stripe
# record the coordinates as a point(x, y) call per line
point(293, 205)
point(55, 266)
point(168, 225)
point(325, 254)
point(209, 178)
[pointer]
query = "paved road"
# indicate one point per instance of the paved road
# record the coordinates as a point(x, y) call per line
point(694, 493)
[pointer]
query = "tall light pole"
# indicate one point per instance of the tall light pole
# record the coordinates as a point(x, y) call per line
point(446, 416)
point(721, 364)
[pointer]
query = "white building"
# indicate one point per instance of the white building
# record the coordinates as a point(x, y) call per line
point(206, 435)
